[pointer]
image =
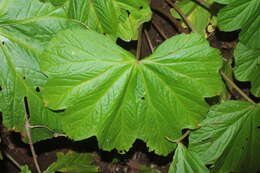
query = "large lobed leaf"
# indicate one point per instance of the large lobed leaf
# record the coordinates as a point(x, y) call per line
point(247, 66)
point(106, 92)
point(25, 28)
point(229, 137)
point(245, 15)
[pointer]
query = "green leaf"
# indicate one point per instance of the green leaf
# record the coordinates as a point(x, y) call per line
point(247, 66)
point(186, 161)
point(230, 137)
point(197, 15)
point(117, 18)
point(26, 26)
point(245, 15)
point(146, 169)
point(73, 162)
point(25, 169)
point(224, 1)
point(27, 9)
point(109, 94)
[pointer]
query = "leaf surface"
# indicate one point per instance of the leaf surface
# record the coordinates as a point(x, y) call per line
point(26, 26)
point(245, 15)
point(107, 93)
point(73, 162)
point(186, 161)
point(229, 137)
point(247, 66)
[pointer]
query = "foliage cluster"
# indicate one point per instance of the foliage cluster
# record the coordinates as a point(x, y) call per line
point(62, 72)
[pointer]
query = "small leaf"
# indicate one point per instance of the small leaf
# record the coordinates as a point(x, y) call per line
point(73, 162)
point(25, 169)
point(247, 66)
point(197, 15)
point(245, 15)
point(186, 161)
point(229, 137)
point(107, 93)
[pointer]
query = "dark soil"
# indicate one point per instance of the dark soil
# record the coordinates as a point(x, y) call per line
point(112, 162)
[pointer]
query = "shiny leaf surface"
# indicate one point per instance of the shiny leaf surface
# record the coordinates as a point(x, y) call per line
point(109, 94)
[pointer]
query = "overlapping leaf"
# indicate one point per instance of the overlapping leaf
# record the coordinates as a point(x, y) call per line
point(197, 15)
point(108, 93)
point(25, 28)
point(117, 18)
point(186, 161)
point(230, 137)
point(72, 162)
point(245, 15)
point(247, 66)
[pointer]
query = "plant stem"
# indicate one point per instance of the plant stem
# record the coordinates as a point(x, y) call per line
point(236, 87)
point(12, 160)
point(40, 126)
point(157, 27)
point(174, 22)
point(186, 21)
point(139, 43)
point(148, 40)
point(28, 132)
point(45, 127)
point(180, 139)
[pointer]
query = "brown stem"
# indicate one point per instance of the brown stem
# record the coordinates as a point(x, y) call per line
point(45, 127)
point(186, 21)
point(174, 22)
point(139, 43)
point(179, 140)
point(28, 132)
point(157, 27)
point(226, 78)
point(8, 156)
point(148, 40)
